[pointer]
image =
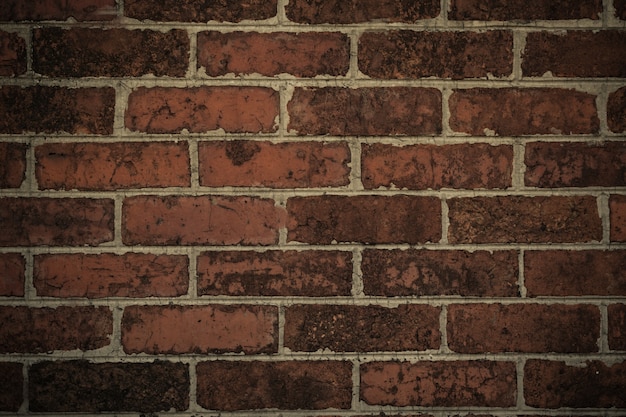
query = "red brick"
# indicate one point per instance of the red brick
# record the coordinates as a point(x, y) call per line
point(81, 10)
point(520, 219)
point(11, 386)
point(456, 55)
point(420, 167)
point(57, 109)
point(282, 165)
point(478, 383)
point(347, 328)
point(304, 54)
point(83, 52)
point(82, 386)
point(110, 275)
point(200, 329)
point(575, 54)
point(617, 205)
point(525, 10)
point(12, 266)
point(617, 326)
point(194, 11)
point(616, 110)
point(365, 219)
point(41, 330)
point(56, 222)
point(575, 273)
point(202, 109)
point(358, 11)
point(12, 54)
point(12, 164)
point(208, 220)
point(575, 164)
point(111, 166)
point(528, 111)
point(403, 273)
point(365, 111)
point(555, 384)
point(311, 385)
point(311, 273)
point(479, 328)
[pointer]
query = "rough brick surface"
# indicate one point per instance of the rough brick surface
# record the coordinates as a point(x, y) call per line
point(617, 326)
point(439, 384)
point(620, 9)
point(55, 222)
point(617, 205)
point(82, 386)
point(616, 110)
point(200, 329)
point(575, 273)
point(311, 385)
point(110, 275)
point(524, 10)
point(12, 164)
point(300, 54)
point(264, 164)
point(194, 11)
point(512, 219)
point(12, 266)
point(82, 52)
point(12, 54)
point(430, 273)
point(275, 273)
point(456, 55)
point(364, 219)
point(57, 109)
point(11, 381)
point(357, 11)
point(423, 167)
point(365, 111)
point(111, 166)
point(553, 384)
point(81, 10)
point(528, 111)
point(41, 330)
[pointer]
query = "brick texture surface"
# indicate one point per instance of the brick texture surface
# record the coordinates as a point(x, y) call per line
point(12, 266)
point(617, 326)
point(357, 11)
point(11, 381)
point(525, 10)
point(12, 54)
point(12, 164)
point(616, 110)
point(193, 11)
point(617, 204)
point(81, 10)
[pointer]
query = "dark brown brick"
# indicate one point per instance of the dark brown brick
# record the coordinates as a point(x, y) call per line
point(81, 10)
point(456, 55)
point(554, 384)
point(83, 52)
point(365, 111)
point(525, 10)
point(311, 385)
point(311, 273)
point(82, 386)
point(12, 164)
point(11, 386)
point(617, 326)
point(358, 11)
point(364, 219)
point(519, 219)
point(617, 205)
point(12, 267)
point(616, 111)
point(194, 11)
point(12, 54)
point(620, 9)
point(398, 272)
point(477, 383)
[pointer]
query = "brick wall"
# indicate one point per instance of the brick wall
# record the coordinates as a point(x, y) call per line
point(313, 208)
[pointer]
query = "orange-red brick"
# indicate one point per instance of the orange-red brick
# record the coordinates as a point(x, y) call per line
point(12, 54)
point(12, 164)
point(12, 267)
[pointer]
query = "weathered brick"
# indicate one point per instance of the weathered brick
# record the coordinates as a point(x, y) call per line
point(81, 10)
point(617, 205)
point(620, 9)
point(456, 55)
point(575, 164)
point(209, 220)
point(564, 273)
point(365, 111)
point(364, 219)
point(12, 267)
point(41, 330)
point(116, 52)
point(111, 166)
point(478, 383)
point(523, 111)
point(312, 273)
point(12, 164)
point(194, 11)
point(202, 109)
point(12, 54)
point(346, 328)
point(520, 219)
point(555, 384)
point(82, 386)
point(11, 386)
point(398, 272)
point(110, 275)
point(304, 54)
point(282, 165)
point(311, 385)
point(575, 54)
point(57, 109)
point(200, 329)
point(525, 10)
point(358, 11)
point(420, 167)
point(55, 222)
point(616, 111)
point(617, 326)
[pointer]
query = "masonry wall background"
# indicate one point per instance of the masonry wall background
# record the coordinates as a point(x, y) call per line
point(313, 207)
